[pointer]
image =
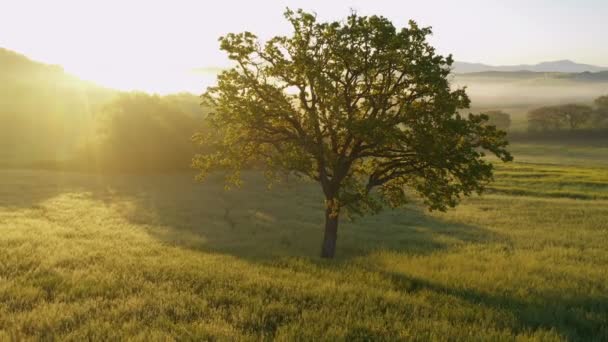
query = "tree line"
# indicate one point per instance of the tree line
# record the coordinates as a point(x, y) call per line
point(569, 116)
point(138, 132)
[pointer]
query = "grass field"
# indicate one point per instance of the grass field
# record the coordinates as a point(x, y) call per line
point(159, 257)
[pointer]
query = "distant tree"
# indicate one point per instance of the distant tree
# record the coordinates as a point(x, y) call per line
point(557, 117)
point(543, 119)
point(575, 115)
point(362, 108)
point(602, 102)
point(188, 103)
point(601, 111)
point(499, 119)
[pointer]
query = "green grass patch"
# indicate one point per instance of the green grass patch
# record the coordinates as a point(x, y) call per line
point(161, 257)
point(561, 154)
point(551, 181)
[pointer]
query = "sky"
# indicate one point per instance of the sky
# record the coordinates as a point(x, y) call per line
point(154, 45)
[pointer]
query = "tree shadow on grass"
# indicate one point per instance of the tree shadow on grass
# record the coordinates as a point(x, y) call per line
point(263, 226)
point(252, 222)
point(576, 318)
point(30, 188)
point(257, 224)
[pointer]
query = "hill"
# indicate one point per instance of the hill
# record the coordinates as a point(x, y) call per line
point(591, 76)
point(601, 76)
point(552, 66)
point(49, 118)
point(43, 109)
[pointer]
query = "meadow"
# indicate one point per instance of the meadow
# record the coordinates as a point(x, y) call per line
point(161, 257)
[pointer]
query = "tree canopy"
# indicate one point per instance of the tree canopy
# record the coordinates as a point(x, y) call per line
point(601, 104)
point(572, 116)
point(361, 107)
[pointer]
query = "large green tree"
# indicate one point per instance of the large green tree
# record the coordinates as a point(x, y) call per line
point(362, 108)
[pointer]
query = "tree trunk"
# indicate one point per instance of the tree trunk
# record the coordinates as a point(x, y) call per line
point(328, 250)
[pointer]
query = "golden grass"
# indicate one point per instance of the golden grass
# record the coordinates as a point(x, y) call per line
point(162, 258)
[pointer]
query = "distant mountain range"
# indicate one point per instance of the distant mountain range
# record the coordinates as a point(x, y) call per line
point(564, 66)
point(510, 76)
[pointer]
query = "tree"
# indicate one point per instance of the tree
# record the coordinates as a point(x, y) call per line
point(575, 115)
point(601, 112)
point(499, 119)
point(362, 108)
point(601, 102)
point(544, 119)
point(555, 117)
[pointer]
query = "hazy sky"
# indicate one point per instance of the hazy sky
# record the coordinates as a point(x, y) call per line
point(133, 44)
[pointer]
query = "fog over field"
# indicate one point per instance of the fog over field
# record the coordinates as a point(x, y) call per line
point(531, 88)
point(504, 89)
